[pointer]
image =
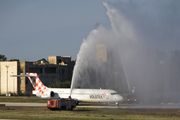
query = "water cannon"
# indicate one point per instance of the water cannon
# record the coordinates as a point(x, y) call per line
point(133, 90)
point(69, 97)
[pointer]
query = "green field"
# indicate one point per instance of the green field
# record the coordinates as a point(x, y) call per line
point(32, 113)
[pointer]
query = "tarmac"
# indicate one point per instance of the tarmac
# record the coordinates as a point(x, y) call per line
point(123, 106)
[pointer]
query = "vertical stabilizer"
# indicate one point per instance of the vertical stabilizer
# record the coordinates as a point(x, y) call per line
point(36, 82)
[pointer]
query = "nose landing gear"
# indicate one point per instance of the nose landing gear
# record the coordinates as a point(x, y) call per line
point(117, 104)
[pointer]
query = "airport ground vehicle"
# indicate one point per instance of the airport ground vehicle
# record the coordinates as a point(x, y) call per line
point(131, 99)
point(61, 104)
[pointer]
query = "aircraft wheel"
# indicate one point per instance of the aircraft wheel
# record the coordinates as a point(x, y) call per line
point(117, 104)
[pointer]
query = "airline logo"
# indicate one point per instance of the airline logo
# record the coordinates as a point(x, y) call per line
point(104, 94)
point(97, 96)
point(43, 94)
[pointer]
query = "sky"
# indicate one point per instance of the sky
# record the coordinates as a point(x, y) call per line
point(34, 29)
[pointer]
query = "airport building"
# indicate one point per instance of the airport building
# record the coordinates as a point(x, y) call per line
point(8, 83)
point(101, 54)
point(110, 69)
point(56, 68)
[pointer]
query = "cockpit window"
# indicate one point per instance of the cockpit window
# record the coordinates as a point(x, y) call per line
point(113, 93)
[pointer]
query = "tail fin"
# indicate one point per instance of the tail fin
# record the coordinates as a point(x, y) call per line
point(36, 82)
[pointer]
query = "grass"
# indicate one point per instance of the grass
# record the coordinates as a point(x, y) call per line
point(21, 99)
point(34, 113)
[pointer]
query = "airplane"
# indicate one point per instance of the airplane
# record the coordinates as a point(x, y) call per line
point(80, 95)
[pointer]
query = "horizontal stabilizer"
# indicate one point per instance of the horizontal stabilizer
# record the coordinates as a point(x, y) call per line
point(25, 75)
point(38, 98)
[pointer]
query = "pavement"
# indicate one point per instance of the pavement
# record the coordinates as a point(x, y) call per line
point(123, 106)
point(13, 104)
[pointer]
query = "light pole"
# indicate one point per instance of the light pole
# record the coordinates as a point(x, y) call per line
point(7, 80)
point(13, 84)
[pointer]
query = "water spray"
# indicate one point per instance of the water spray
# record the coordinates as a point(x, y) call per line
point(136, 38)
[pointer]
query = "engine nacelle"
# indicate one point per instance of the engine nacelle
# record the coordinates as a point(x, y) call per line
point(47, 94)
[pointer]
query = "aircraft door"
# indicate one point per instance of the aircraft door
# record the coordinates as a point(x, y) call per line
point(107, 96)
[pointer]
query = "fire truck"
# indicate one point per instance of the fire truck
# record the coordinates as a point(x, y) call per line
point(131, 98)
point(61, 104)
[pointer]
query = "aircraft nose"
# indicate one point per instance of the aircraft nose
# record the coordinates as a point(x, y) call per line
point(120, 98)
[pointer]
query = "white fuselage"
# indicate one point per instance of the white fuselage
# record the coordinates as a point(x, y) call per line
point(87, 95)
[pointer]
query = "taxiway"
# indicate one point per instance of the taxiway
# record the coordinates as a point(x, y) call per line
point(123, 106)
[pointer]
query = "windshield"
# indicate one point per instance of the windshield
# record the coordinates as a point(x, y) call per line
point(113, 93)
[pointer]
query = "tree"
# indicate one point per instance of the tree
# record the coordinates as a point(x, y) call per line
point(65, 84)
point(2, 58)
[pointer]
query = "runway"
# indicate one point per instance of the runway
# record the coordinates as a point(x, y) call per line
point(135, 106)
point(121, 106)
point(10, 104)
